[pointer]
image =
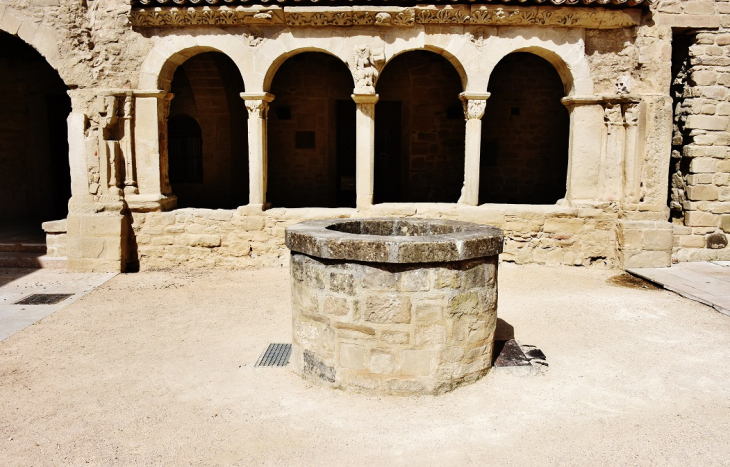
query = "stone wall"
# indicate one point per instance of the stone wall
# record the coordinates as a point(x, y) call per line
point(525, 132)
point(550, 235)
point(700, 171)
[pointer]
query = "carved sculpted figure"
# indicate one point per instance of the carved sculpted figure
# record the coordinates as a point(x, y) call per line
point(364, 70)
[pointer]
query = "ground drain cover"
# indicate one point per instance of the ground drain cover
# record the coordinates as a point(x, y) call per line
point(275, 355)
point(43, 299)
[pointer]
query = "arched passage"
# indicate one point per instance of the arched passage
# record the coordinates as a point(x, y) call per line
point(208, 137)
point(35, 181)
point(311, 134)
point(525, 133)
point(419, 130)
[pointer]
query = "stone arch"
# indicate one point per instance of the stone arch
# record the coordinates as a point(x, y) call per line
point(451, 58)
point(564, 49)
point(275, 64)
point(170, 52)
point(42, 38)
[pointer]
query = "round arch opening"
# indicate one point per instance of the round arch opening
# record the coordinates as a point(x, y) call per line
point(35, 180)
point(311, 133)
point(208, 134)
point(419, 130)
point(525, 133)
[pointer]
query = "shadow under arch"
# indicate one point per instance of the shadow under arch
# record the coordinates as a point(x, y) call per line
point(525, 133)
point(212, 170)
point(311, 133)
point(419, 130)
point(35, 174)
point(451, 58)
point(567, 76)
point(282, 58)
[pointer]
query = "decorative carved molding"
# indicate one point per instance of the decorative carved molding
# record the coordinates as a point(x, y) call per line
point(489, 15)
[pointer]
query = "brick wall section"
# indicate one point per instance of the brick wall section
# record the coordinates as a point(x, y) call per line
point(209, 94)
point(701, 167)
point(432, 143)
point(309, 84)
point(529, 160)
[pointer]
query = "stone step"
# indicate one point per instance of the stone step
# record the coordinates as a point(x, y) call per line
point(21, 259)
point(23, 247)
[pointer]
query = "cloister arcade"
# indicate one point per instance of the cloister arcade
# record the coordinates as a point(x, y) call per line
point(203, 150)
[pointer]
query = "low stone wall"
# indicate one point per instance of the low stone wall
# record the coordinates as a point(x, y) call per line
point(242, 238)
point(55, 238)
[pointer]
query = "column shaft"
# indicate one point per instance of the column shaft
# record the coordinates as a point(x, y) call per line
point(474, 106)
point(258, 107)
point(365, 149)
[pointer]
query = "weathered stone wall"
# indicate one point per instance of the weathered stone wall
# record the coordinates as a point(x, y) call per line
point(550, 235)
point(525, 132)
point(700, 172)
point(432, 125)
point(309, 86)
point(96, 51)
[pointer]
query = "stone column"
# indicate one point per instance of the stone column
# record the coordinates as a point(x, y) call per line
point(258, 109)
point(633, 157)
point(365, 148)
point(586, 143)
point(612, 156)
point(130, 183)
point(77, 147)
point(151, 109)
point(474, 106)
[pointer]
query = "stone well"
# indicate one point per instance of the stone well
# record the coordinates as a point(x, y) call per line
point(393, 306)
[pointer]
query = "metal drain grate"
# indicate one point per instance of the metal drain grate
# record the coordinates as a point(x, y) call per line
point(275, 355)
point(43, 299)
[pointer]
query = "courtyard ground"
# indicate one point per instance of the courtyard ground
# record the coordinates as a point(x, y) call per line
point(156, 368)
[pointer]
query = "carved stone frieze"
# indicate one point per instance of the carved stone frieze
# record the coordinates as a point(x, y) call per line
point(491, 15)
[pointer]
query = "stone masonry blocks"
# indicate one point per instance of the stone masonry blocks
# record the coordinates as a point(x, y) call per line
point(428, 338)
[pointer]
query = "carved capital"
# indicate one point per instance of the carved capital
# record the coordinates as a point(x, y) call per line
point(613, 115)
point(631, 114)
point(474, 104)
point(366, 64)
point(257, 108)
point(366, 103)
point(166, 103)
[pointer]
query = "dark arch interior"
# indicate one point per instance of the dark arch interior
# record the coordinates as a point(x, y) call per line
point(208, 134)
point(419, 130)
point(35, 179)
point(311, 134)
point(525, 131)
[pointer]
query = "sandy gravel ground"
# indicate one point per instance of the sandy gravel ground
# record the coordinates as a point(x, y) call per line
point(157, 369)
